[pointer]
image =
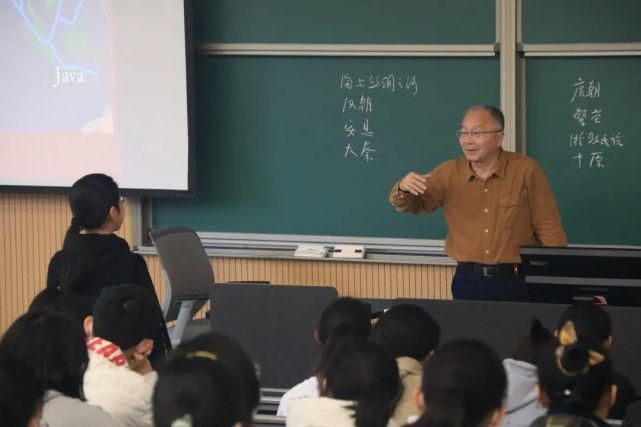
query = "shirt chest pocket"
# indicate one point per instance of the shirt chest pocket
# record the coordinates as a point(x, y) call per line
point(513, 211)
point(512, 200)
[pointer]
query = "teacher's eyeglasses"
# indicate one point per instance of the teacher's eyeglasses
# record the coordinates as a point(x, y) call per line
point(475, 133)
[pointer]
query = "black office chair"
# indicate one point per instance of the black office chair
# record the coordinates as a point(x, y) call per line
point(189, 274)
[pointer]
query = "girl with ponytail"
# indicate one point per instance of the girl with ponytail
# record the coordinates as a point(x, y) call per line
point(360, 388)
point(343, 321)
point(576, 381)
point(463, 386)
point(92, 256)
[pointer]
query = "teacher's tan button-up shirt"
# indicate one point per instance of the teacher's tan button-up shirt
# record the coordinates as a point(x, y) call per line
point(489, 220)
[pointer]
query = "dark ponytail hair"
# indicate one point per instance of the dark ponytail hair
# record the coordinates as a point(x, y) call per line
point(345, 310)
point(342, 335)
point(367, 374)
point(463, 383)
point(90, 200)
point(230, 354)
point(53, 346)
point(21, 391)
point(198, 388)
point(341, 323)
point(575, 373)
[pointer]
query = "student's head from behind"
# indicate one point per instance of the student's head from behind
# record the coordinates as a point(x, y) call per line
point(53, 346)
point(235, 359)
point(590, 321)
point(128, 316)
point(95, 207)
point(343, 321)
point(406, 330)
point(21, 393)
point(576, 372)
point(464, 384)
point(95, 201)
point(529, 347)
point(344, 311)
point(197, 388)
point(366, 373)
point(74, 305)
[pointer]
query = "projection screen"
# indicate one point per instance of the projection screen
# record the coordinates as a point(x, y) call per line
point(95, 86)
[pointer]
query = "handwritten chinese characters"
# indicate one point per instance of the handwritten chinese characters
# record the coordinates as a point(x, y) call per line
point(358, 104)
point(590, 142)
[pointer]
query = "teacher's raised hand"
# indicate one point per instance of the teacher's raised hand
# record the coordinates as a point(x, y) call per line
point(414, 183)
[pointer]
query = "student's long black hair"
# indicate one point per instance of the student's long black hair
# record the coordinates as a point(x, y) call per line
point(366, 373)
point(53, 345)
point(463, 383)
point(21, 392)
point(90, 200)
point(198, 388)
point(343, 321)
point(230, 354)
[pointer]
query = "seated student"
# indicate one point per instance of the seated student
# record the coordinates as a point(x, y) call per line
point(463, 385)
point(120, 378)
point(53, 345)
point(593, 322)
point(233, 357)
point(92, 256)
point(21, 393)
point(346, 312)
point(522, 405)
point(409, 334)
point(196, 390)
point(575, 382)
point(360, 388)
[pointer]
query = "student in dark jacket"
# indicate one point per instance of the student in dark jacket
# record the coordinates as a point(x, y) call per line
point(92, 256)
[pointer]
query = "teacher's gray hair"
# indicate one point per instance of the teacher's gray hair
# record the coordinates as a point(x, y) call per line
point(495, 112)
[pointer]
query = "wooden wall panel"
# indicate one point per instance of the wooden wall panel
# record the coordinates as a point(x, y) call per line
point(358, 279)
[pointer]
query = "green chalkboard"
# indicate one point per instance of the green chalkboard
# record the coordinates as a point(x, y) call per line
point(340, 21)
point(581, 21)
point(273, 138)
point(600, 196)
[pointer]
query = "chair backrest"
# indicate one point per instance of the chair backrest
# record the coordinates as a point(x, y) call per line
point(186, 266)
point(274, 324)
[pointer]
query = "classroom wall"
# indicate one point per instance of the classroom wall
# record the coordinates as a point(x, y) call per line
point(32, 228)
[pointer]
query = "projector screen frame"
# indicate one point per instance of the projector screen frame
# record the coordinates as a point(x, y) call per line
point(189, 51)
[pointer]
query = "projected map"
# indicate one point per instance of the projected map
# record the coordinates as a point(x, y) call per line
point(55, 72)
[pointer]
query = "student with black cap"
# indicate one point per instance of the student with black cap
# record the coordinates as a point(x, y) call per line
point(120, 378)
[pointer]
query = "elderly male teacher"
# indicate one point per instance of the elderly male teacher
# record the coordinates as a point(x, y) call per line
point(494, 202)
